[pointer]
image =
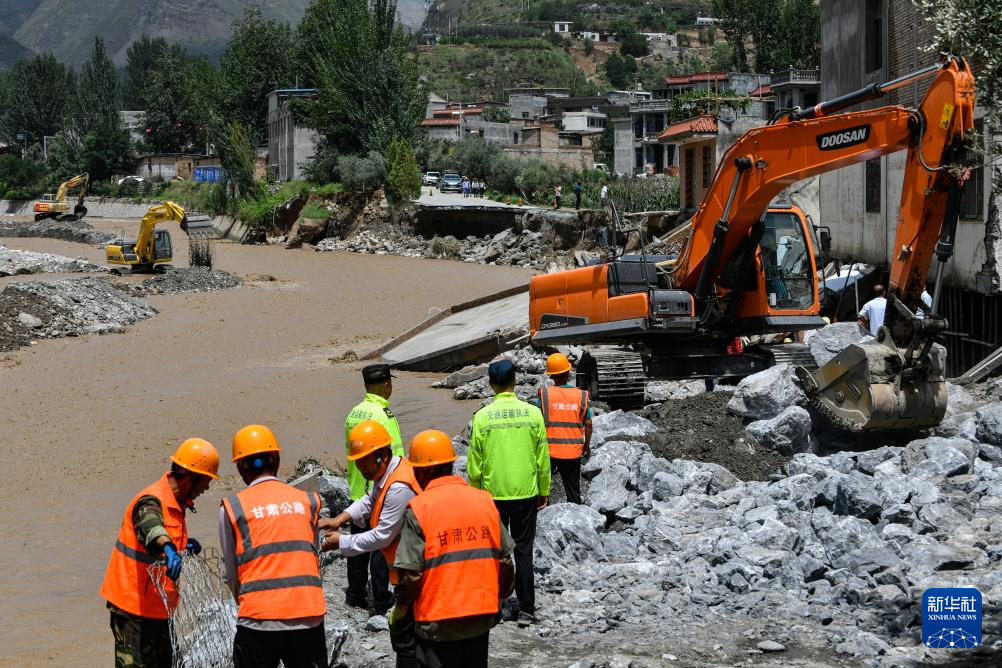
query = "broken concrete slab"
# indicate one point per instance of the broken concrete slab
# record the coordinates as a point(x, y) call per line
point(471, 332)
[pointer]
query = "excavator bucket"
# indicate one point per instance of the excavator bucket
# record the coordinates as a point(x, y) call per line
point(197, 226)
point(867, 388)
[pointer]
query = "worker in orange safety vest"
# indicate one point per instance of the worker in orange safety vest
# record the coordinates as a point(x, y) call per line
point(454, 561)
point(153, 529)
point(268, 533)
point(393, 486)
point(567, 414)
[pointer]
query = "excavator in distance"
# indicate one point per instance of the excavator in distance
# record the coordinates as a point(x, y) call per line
point(57, 205)
point(151, 251)
point(748, 268)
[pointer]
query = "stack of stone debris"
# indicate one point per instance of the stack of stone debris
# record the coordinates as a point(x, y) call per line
point(507, 247)
point(13, 261)
point(78, 231)
point(187, 279)
point(51, 309)
point(471, 382)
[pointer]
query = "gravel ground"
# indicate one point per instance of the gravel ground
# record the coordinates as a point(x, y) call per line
point(701, 428)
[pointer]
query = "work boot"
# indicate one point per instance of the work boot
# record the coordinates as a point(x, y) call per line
point(355, 601)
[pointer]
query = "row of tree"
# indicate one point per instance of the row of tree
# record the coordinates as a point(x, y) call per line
point(351, 51)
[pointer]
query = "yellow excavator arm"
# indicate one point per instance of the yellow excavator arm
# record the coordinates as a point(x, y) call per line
point(79, 181)
point(156, 214)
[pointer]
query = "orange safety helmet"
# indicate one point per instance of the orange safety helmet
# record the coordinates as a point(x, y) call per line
point(556, 364)
point(253, 440)
point(366, 437)
point(198, 456)
point(431, 447)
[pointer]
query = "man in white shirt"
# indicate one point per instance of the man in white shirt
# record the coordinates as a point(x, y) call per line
point(871, 315)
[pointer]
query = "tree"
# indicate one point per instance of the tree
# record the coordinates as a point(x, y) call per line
point(236, 155)
point(722, 57)
point(95, 104)
point(405, 175)
point(631, 42)
point(37, 93)
point(973, 29)
point(785, 33)
point(256, 61)
point(142, 57)
point(355, 55)
point(620, 70)
point(179, 98)
point(106, 151)
point(497, 114)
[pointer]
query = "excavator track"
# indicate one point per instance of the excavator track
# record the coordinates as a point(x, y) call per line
point(794, 354)
point(614, 375)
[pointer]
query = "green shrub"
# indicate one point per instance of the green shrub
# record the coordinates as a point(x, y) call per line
point(315, 210)
point(362, 173)
point(405, 175)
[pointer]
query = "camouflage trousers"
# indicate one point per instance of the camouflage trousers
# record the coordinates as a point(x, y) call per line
point(141, 643)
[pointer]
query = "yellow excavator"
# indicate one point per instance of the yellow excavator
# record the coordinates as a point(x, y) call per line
point(151, 251)
point(58, 206)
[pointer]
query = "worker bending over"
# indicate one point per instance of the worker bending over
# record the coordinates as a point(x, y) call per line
point(153, 528)
point(567, 414)
point(374, 406)
point(268, 534)
point(508, 457)
point(394, 485)
point(453, 562)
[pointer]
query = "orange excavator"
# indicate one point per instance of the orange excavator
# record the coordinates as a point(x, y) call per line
point(749, 268)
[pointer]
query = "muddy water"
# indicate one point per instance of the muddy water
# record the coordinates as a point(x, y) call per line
point(86, 422)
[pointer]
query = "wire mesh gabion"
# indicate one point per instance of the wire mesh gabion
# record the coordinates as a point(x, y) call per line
point(203, 623)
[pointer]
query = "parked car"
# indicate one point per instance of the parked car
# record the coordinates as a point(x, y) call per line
point(602, 167)
point(431, 178)
point(452, 182)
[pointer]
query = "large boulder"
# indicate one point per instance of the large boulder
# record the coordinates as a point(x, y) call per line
point(935, 456)
point(856, 496)
point(624, 453)
point(619, 425)
point(989, 424)
point(788, 433)
point(827, 342)
point(608, 492)
point(766, 394)
point(566, 534)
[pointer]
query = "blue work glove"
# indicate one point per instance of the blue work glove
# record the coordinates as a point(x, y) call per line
point(193, 546)
point(173, 560)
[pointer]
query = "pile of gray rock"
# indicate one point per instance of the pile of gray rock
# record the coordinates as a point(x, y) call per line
point(471, 382)
point(14, 262)
point(51, 309)
point(188, 279)
point(507, 247)
point(841, 545)
point(78, 231)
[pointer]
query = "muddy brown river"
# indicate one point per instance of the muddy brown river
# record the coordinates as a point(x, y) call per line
point(87, 422)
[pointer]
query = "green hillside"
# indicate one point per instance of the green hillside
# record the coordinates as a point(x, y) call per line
point(486, 69)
